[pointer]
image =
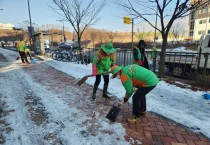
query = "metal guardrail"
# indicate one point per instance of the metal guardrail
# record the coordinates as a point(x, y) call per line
point(176, 63)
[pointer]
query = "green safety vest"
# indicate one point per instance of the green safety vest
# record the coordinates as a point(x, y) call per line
point(21, 46)
point(26, 50)
point(154, 51)
point(137, 76)
point(103, 62)
point(139, 56)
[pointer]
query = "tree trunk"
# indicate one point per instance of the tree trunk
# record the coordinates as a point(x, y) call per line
point(79, 47)
point(93, 44)
point(162, 56)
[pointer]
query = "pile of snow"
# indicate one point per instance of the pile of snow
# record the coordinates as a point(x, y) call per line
point(182, 49)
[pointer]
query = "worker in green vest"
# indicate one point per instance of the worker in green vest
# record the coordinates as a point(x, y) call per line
point(102, 62)
point(139, 77)
point(27, 52)
point(21, 46)
point(154, 52)
point(139, 54)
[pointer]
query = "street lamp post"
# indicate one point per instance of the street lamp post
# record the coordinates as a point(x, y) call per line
point(132, 21)
point(128, 20)
point(63, 35)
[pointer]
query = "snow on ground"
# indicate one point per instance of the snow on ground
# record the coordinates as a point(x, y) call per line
point(178, 49)
point(62, 122)
point(183, 106)
point(182, 49)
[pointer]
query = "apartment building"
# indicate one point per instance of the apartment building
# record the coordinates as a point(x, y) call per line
point(199, 22)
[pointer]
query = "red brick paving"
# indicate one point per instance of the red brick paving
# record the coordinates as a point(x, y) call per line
point(150, 130)
point(156, 130)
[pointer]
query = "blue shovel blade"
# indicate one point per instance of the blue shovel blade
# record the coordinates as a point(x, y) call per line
point(33, 61)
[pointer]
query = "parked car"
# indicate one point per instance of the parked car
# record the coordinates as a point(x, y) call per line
point(65, 45)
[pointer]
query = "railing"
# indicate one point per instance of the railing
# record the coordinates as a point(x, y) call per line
point(176, 63)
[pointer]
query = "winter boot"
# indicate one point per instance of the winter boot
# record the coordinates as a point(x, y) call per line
point(133, 119)
point(94, 92)
point(105, 94)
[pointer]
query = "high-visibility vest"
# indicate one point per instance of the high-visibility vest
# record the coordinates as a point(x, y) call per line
point(21, 46)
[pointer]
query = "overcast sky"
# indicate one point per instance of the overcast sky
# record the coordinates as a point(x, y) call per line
point(16, 11)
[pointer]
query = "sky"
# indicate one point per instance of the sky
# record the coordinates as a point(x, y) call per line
point(181, 105)
point(16, 12)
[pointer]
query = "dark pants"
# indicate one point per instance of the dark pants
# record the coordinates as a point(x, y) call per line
point(139, 100)
point(98, 80)
point(29, 54)
point(23, 56)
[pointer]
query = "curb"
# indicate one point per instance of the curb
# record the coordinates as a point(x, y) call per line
point(39, 57)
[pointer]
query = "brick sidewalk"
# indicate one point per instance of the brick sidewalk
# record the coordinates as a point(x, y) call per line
point(151, 130)
point(156, 130)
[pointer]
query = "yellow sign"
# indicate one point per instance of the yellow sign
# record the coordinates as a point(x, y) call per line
point(126, 20)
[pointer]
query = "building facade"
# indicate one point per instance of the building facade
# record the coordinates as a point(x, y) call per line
point(199, 21)
point(6, 26)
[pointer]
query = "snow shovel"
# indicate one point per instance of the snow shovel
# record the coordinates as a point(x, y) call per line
point(113, 113)
point(83, 79)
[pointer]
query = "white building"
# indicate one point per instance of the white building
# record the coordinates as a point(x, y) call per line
point(6, 26)
point(199, 22)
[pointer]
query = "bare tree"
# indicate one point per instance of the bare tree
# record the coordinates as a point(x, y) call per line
point(178, 31)
point(102, 36)
point(79, 13)
point(111, 35)
point(93, 34)
point(167, 11)
point(140, 35)
point(15, 36)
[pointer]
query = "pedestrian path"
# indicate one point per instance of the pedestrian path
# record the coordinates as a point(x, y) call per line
point(157, 130)
point(151, 130)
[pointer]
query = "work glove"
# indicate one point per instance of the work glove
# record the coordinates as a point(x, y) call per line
point(94, 70)
point(140, 62)
point(123, 101)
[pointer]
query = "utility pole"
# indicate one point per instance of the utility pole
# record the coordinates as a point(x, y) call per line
point(132, 21)
point(63, 35)
point(31, 37)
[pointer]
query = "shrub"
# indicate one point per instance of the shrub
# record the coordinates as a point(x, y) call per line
point(203, 81)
